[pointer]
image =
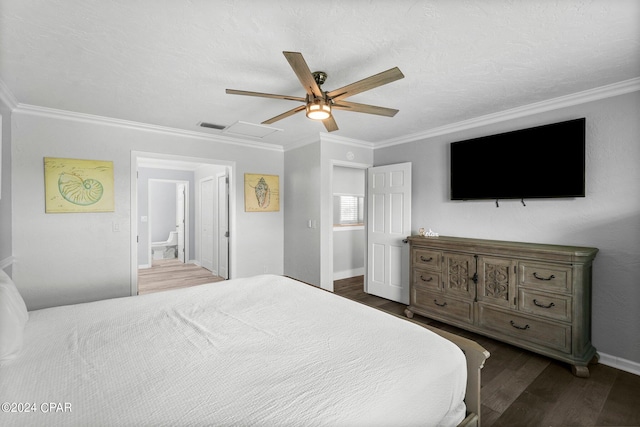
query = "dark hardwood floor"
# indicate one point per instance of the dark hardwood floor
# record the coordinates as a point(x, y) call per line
point(520, 388)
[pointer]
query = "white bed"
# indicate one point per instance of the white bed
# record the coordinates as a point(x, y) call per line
point(258, 351)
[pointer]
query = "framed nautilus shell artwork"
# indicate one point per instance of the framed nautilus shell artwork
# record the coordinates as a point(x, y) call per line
point(261, 193)
point(75, 185)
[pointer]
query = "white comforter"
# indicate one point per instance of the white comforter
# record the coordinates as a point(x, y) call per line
point(262, 351)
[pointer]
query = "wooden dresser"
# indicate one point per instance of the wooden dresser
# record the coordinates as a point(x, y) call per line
point(534, 296)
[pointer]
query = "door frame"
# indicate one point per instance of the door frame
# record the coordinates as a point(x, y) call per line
point(221, 240)
point(326, 224)
point(138, 156)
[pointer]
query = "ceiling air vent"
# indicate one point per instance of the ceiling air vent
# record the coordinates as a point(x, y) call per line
point(211, 126)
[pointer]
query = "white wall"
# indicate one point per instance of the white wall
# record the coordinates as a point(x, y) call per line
point(69, 258)
point(608, 217)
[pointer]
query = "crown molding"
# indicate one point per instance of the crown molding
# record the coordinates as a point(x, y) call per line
point(608, 91)
point(615, 89)
point(302, 142)
point(327, 137)
point(7, 97)
point(90, 118)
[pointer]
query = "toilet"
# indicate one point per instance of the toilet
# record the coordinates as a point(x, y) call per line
point(167, 249)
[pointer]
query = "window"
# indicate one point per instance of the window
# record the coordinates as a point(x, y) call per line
point(348, 210)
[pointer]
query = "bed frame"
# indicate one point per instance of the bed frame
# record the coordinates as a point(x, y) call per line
point(475, 355)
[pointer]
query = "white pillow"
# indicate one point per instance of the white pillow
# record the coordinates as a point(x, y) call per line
point(13, 317)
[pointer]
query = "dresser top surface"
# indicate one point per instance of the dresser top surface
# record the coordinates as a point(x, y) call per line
point(482, 245)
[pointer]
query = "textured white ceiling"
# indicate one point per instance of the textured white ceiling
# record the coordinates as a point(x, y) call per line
point(168, 62)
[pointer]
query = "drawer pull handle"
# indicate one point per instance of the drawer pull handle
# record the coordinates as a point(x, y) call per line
point(444, 304)
point(519, 327)
point(535, 274)
point(426, 280)
point(423, 259)
point(535, 301)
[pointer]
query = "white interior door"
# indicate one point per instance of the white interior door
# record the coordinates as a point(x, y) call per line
point(388, 224)
point(181, 194)
point(223, 226)
point(207, 229)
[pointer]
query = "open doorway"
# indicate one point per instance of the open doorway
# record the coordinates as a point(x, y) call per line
point(167, 222)
point(349, 247)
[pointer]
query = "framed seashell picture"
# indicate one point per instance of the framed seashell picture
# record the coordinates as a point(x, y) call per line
point(75, 185)
point(261, 193)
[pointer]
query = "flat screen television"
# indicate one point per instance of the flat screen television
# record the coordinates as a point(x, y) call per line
point(540, 162)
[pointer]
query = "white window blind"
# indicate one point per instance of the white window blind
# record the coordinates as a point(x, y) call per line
point(348, 210)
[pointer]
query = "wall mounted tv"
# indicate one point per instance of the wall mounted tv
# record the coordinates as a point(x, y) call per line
point(540, 162)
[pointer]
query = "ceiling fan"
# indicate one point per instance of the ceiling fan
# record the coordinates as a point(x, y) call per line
point(318, 103)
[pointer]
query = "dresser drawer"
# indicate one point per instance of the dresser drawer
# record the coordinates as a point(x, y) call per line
point(545, 276)
point(444, 306)
point(547, 305)
point(425, 258)
point(543, 333)
point(427, 279)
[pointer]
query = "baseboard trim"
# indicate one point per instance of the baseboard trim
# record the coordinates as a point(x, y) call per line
point(6, 262)
point(339, 275)
point(619, 363)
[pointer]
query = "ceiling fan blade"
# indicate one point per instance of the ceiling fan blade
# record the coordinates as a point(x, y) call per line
point(303, 72)
point(330, 124)
point(284, 115)
point(364, 108)
point(265, 95)
point(371, 82)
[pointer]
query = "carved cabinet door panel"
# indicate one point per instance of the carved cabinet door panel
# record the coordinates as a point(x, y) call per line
point(458, 271)
point(497, 281)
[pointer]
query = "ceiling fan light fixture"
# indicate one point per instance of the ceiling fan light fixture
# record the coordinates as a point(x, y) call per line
point(319, 109)
point(319, 103)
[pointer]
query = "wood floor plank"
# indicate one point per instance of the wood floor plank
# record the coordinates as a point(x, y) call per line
point(503, 390)
point(622, 407)
point(580, 401)
point(538, 399)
